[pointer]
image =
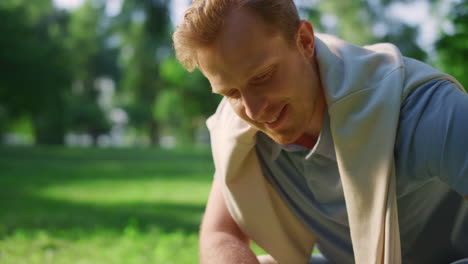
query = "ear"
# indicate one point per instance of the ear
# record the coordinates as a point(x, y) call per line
point(305, 39)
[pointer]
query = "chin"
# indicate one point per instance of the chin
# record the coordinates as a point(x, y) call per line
point(284, 139)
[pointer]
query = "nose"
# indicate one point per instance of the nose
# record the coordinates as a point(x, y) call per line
point(254, 105)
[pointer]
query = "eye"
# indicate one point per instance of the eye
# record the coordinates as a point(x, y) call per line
point(264, 76)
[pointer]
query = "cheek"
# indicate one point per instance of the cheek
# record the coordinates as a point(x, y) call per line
point(290, 78)
point(300, 84)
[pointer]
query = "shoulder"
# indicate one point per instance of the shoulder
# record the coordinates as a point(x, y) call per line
point(347, 70)
point(431, 134)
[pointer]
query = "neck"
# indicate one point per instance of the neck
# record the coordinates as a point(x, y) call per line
point(306, 141)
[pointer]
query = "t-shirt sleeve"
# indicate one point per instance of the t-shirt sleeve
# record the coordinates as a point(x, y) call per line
point(433, 134)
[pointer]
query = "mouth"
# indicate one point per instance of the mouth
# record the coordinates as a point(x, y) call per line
point(274, 119)
point(278, 119)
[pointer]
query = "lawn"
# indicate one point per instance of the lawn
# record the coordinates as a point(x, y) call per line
point(83, 205)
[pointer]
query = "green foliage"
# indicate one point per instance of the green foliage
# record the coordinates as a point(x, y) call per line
point(354, 24)
point(34, 11)
point(453, 48)
point(145, 34)
point(83, 38)
point(34, 74)
point(50, 124)
point(355, 21)
point(173, 73)
point(139, 115)
point(41, 57)
point(91, 59)
point(45, 54)
point(23, 84)
point(404, 36)
point(87, 116)
point(169, 108)
point(185, 101)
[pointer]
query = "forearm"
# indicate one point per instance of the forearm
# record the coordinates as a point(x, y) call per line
point(221, 247)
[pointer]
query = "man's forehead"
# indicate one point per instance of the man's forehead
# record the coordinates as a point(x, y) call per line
point(244, 33)
point(224, 76)
point(244, 45)
point(214, 63)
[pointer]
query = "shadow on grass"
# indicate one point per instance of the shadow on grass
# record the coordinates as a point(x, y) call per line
point(23, 212)
point(25, 168)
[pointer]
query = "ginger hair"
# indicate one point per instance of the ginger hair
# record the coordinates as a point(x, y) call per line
point(204, 19)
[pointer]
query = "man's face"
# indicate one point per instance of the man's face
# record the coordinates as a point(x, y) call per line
point(270, 83)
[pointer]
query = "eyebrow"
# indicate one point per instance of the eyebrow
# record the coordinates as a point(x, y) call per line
point(263, 66)
point(268, 68)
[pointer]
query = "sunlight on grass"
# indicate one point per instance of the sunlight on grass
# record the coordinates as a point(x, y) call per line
point(121, 206)
point(87, 206)
point(105, 192)
point(130, 246)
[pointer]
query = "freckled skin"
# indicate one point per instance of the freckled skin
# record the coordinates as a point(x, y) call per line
point(261, 73)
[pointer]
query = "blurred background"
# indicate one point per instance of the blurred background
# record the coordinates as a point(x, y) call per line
point(104, 154)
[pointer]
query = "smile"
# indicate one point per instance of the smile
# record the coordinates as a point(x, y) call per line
point(278, 119)
point(274, 118)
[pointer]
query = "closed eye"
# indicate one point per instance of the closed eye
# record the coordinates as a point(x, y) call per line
point(264, 76)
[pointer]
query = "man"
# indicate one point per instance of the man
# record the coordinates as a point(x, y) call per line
point(358, 149)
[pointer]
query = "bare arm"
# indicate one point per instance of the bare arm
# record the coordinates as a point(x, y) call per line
point(466, 197)
point(221, 240)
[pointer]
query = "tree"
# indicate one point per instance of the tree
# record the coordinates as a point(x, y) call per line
point(34, 70)
point(86, 40)
point(452, 48)
point(185, 101)
point(365, 22)
point(144, 27)
point(350, 20)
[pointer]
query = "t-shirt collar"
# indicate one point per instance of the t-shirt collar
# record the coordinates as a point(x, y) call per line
point(323, 147)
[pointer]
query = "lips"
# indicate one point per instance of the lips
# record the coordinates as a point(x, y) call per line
point(278, 119)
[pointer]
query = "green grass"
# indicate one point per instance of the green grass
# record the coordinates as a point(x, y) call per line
point(85, 205)
point(61, 205)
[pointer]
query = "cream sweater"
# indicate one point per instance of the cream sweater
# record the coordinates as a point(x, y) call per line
point(364, 88)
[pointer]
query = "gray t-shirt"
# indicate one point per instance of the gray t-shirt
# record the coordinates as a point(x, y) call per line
point(431, 157)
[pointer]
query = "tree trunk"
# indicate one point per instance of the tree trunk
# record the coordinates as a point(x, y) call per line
point(154, 133)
